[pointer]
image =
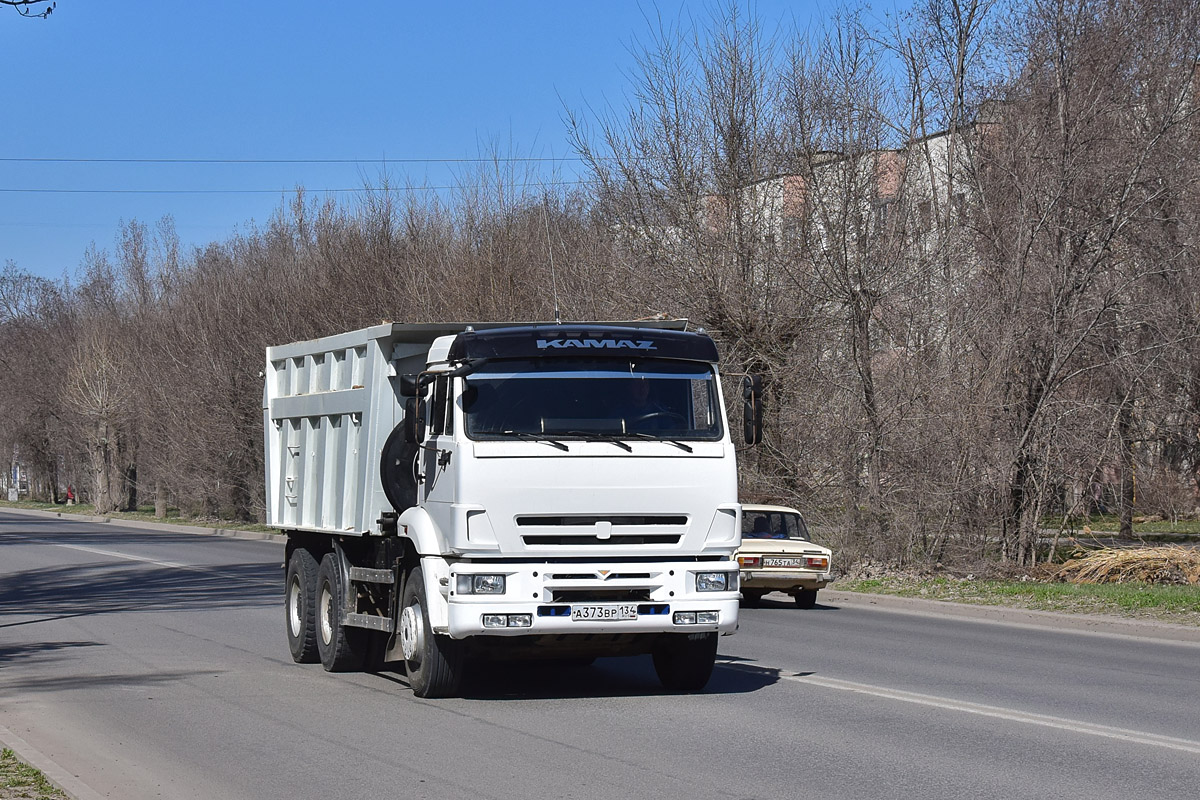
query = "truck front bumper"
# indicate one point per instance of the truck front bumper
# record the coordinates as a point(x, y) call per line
point(655, 598)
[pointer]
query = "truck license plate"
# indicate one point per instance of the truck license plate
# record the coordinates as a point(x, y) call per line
point(782, 562)
point(603, 612)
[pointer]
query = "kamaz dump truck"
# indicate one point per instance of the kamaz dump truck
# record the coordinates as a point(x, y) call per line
point(457, 493)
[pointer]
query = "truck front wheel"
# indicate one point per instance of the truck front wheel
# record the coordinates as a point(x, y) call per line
point(300, 599)
point(341, 648)
point(684, 662)
point(434, 663)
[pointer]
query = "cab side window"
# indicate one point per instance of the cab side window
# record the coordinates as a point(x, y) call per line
point(441, 411)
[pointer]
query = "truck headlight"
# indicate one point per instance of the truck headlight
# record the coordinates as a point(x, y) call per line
point(479, 584)
point(716, 581)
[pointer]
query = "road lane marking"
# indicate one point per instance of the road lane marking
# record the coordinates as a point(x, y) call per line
point(167, 564)
point(1013, 715)
point(126, 556)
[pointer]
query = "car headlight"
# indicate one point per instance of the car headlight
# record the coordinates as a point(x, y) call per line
point(479, 584)
point(716, 581)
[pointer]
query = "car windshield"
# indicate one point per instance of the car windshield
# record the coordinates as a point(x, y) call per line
point(773, 525)
point(592, 398)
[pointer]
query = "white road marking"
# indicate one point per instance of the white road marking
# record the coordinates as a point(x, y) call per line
point(128, 557)
point(167, 564)
point(1014, 715)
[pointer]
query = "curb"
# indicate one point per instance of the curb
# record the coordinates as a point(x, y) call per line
point(230, 533)
point(1094, 624)
point(58, 777)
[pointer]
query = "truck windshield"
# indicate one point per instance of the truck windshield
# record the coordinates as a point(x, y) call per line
point(565, 398)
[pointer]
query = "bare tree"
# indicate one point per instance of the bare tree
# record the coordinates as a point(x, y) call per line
point(35, 9)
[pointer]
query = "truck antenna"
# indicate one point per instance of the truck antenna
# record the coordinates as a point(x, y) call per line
point(550, 248)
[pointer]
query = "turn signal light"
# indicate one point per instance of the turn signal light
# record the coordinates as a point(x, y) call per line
point(748, 561)
point(818, 562)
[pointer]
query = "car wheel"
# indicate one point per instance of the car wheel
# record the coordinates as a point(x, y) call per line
point(806, 598)
point(752, 598)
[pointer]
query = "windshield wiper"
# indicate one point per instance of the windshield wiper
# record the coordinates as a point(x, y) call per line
point(647, 437)
point(592, 436)
point(533, 437)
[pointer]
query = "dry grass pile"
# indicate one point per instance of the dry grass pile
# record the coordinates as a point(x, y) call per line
point(1170, 564)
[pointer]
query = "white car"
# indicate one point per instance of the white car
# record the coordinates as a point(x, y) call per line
point(776, 556)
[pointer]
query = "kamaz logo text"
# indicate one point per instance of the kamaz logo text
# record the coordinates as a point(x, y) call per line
point(596, 344)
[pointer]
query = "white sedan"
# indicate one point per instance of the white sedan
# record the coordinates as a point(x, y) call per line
point(776, 556)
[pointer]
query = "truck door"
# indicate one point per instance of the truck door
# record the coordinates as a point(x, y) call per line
point(438, 454)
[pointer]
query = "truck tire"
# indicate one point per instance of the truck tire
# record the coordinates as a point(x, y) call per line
point(341, 648)
point(752, 598)
point(806, 598)
point(684, 662)
point(300, 605)
point(434, 663)
point(397, 470)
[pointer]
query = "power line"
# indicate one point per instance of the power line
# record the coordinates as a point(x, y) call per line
point(280, 191)
point(383, 160)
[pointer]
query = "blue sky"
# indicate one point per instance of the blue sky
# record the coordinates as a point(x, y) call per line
point(224, 79)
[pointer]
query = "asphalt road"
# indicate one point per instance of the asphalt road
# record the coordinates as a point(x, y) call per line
point(138, 664)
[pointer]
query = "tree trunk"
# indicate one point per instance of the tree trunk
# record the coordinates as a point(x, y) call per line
point(102, 466)
point(1125, 431)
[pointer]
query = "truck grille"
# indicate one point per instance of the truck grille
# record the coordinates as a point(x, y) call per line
point(550, 539)
point(583, 521)
point(597, 595)
point(589, 529)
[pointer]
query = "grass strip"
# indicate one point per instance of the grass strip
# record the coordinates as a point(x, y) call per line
point(143, 514)
point(19, 781)
point(1176, 604)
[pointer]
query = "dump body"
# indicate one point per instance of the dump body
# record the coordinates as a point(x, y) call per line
point(565, 481)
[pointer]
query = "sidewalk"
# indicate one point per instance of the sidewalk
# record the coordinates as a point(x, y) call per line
point(231, 533)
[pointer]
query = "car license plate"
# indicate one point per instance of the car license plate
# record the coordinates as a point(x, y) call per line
point(769, 561)
point(603, 613)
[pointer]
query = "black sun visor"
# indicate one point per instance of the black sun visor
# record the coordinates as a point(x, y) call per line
point(574, 340)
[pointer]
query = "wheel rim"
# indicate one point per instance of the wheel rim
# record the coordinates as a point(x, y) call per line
point(412, 633)
point(294, 608)
point(326, 614)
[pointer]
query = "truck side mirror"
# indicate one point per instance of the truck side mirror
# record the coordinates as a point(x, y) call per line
point(414, 420)
point(752, 409)
point(409, 385)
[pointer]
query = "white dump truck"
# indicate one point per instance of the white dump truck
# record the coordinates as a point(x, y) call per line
point(458, 493)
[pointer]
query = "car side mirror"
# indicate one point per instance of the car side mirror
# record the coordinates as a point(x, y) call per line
point(752, 409)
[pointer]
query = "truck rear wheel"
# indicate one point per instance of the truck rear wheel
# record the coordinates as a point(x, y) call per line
point(684, 662)
point(300, 600)
point(341, 648)
point(434, 663)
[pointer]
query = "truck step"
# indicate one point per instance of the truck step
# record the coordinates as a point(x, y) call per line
point(365, 575)
point(370, 621)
